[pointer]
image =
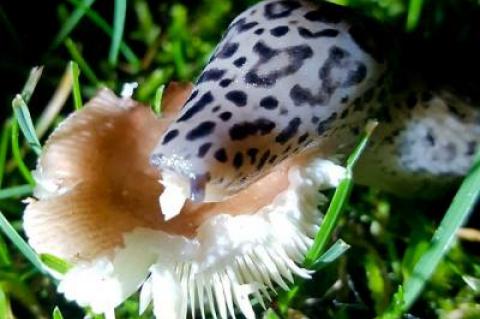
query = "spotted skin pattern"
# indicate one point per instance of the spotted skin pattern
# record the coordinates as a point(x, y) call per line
point(425, 144)
point(288, 76)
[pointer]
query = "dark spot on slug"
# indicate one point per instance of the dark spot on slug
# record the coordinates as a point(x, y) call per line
point(356, 76)
point(202, 130)
point(203, 149)
point(307, 34)
point(264, 51)
point(288, 132)
point(471, 147)
point(197, 107)
point(240, 61)
point(211, 75)
point(228, 50)
point(242, 130)
point(191, 97)
point(299, 95)
point(279, 31)
point(252, 153)
point(296, 57)
point(216, 109)
point(239, 98)
point(302, 138)
point(225, 116)
point(280, 9)
point(238, 160)
point(269, 102)
point(273, 159)
point(351, 73)
point(246, 26)
point(324, 125)
point(259, 31)
point(225, 82)
point(221, 155)
point(263, 159)
point(430, 138)
point(170, 136)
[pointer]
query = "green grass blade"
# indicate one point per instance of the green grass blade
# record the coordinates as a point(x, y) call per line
point(33, 78)
point(5, 259)
point(4, 149)
point(22, 115)
point(5, 311)
point(376, 282)
point(20, 243)
point(270, 314)
point(17, 155)
point(316, 258)
point(77, 57)
point(457, 214)
point(151, 84)
point(338, 202)
point(3, 304)
point(330, 220)
point(16, 191)
point(413, 15)
point(157, 101)
point(57, 314)
point(332, 254)
point(106, 28)
point(472, 282)
point(71, 22)
point(77, 95)
point(120, 12)
point(55, 263)
point(357, 152)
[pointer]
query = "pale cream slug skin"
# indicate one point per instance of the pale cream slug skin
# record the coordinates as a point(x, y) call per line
point(96, 205)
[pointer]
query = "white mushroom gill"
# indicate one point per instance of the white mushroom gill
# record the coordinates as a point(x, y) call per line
point(97, 207)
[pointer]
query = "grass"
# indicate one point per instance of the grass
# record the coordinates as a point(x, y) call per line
point(390, 257)
point(118, 26)
point(338, 201)
point(77, 95)
point(81, 62)
point(456, 216)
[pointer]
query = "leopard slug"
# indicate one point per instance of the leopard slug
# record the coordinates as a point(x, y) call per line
point(291, 77)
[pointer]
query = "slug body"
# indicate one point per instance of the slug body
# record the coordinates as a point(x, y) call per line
point(288, 77)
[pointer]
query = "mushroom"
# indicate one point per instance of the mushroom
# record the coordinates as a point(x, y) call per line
point(96, 206)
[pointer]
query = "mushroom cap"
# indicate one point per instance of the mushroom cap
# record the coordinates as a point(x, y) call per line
point(97, 207)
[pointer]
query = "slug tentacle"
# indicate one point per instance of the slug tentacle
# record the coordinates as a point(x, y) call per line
point(287, 76)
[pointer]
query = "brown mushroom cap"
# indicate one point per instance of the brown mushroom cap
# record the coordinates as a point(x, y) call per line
point(95, 182)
